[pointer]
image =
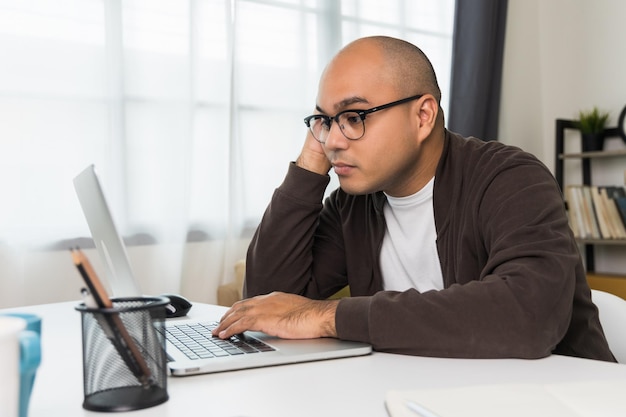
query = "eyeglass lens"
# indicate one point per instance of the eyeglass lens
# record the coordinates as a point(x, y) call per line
point(351, 124)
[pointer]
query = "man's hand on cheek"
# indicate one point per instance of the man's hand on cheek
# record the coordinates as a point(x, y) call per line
point(312, 157)
point(279, 314)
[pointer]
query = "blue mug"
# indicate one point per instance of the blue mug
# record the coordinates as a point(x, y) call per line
point(30, 357)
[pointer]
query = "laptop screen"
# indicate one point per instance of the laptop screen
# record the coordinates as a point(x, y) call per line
point(118, 273)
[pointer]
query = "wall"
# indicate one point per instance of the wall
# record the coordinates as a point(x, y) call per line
point(562, 56)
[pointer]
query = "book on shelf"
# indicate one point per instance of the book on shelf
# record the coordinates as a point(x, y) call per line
point(616, 194)
point(597, 212)
point(621, 206)
point(592, 214)
point(606, 231)
point(609, 195)
point(573, 210)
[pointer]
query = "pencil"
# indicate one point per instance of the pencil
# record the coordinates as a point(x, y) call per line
point(123, 341)
point(91, 279)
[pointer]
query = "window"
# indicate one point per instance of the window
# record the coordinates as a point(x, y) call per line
point(190, 110)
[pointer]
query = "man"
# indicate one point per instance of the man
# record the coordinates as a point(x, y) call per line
point(451, 247)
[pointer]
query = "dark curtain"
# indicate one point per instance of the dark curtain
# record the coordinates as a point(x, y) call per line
point(477, 52)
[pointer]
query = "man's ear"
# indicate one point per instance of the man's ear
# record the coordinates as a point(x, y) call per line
point(428, 111)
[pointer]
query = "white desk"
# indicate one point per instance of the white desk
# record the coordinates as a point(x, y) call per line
point(354, 386)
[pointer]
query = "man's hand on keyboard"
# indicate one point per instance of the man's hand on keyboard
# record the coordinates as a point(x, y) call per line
point(279, 314)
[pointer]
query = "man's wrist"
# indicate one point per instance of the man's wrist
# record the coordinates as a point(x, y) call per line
point(317, 163)
point(327, 311)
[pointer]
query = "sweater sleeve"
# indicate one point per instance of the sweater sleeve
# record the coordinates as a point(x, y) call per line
point(280, 256)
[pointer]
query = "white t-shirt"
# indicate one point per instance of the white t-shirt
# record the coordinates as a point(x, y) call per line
point(408, 256)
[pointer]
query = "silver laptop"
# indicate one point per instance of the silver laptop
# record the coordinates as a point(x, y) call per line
point(190, 347)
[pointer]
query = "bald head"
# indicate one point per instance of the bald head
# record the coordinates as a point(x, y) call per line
point(399, 148)
point(405, 65)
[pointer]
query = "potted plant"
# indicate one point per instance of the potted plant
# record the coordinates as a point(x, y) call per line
point(591, 124)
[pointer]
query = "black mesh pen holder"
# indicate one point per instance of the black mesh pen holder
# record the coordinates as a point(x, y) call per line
point(124, 359)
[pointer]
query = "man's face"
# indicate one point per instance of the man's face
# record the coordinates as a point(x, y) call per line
point(386, 157)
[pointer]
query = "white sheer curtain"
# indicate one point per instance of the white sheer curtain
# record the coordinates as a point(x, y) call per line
point(190, 110)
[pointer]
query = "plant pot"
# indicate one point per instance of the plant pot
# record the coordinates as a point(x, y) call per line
point(593, 142)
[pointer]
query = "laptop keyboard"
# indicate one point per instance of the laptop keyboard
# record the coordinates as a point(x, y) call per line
point(197, 342)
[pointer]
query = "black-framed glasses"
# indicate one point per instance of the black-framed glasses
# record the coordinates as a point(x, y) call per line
point(351, 122)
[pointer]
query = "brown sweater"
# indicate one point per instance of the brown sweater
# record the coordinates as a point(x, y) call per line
point(514, 283)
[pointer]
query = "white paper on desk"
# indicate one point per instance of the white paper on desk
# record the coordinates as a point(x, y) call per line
point(580, 399)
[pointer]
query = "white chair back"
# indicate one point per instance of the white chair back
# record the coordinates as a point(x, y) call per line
point(613, 319)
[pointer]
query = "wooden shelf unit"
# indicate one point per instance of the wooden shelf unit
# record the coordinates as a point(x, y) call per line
point(586, 157)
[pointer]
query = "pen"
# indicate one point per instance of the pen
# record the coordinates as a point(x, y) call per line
point(420, 410)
